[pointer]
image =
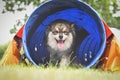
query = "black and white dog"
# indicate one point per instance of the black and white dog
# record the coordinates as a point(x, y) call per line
point(60, 41)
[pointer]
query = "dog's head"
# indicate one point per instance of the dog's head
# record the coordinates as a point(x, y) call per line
point(60, 35)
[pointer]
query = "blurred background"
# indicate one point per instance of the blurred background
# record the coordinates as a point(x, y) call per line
point(14, 13)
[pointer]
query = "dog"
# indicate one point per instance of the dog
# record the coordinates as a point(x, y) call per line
point(60, 42)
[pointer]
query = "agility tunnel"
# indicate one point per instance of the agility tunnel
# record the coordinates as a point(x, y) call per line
point(88, 24)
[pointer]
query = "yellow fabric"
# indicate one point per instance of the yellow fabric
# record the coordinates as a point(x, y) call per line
point(11, 55)
point(112, 54)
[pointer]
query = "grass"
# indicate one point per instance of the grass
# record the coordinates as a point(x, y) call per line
point(53, 73)
point(2, 49)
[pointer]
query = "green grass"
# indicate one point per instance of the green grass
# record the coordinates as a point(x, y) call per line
point(2, 49)
point(51, 73)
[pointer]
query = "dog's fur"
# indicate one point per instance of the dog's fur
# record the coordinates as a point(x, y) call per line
point(60, 41)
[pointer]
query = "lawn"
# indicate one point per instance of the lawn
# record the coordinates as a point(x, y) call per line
point(51, 73)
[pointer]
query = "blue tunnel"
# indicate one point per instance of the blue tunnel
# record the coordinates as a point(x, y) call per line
point(88, 24)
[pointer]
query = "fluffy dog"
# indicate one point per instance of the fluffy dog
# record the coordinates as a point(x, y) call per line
point(60, 42)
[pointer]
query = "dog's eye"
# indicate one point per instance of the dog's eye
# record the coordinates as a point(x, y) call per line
point(55, 32)
point(65, 32)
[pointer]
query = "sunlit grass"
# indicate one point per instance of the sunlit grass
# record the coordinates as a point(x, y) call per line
point(53, 73)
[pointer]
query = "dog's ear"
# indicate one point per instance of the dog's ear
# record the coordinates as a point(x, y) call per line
point(72, 25)
point(49, 27)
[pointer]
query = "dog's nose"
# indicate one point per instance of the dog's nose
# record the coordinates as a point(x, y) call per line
point(60, 37)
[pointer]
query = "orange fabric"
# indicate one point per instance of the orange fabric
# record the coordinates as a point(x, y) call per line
point(112, 56)
point(11, 55)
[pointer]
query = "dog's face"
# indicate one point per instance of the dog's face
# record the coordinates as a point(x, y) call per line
point(60, 36)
